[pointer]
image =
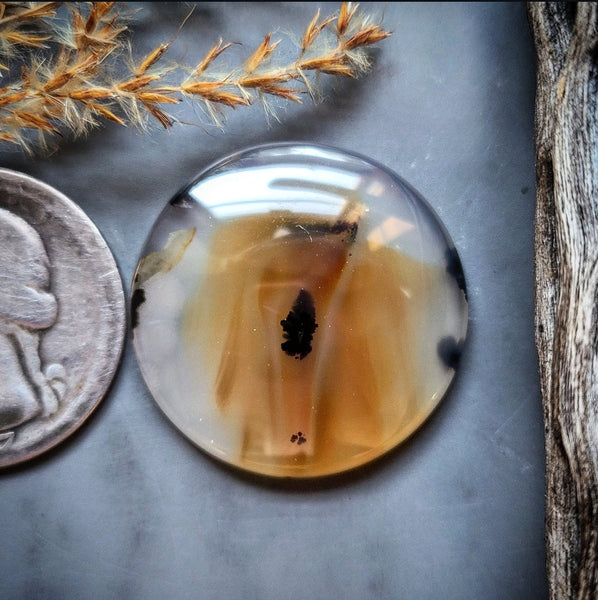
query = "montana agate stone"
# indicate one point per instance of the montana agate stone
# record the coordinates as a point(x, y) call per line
point(298, 311)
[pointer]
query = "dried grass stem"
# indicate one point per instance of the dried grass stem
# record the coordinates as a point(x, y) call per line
point(76, 88)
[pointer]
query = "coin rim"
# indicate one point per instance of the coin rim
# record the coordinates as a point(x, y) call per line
point(117, 333)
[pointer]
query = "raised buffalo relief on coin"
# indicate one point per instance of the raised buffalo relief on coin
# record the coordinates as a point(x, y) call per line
point(61, 317)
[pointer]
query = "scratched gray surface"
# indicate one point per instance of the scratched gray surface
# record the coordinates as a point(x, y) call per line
point(127, 508)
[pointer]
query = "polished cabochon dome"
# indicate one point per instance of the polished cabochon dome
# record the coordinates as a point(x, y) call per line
point(298, 310)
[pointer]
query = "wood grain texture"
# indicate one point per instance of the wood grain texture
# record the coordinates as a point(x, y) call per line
point(566, 286)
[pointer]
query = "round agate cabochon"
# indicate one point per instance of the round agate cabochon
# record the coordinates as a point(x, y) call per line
point(298, 311)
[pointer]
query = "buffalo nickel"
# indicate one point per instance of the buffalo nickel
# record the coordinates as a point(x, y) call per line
point(62, 317)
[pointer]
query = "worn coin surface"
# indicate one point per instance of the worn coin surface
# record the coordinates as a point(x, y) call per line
point(62, 317)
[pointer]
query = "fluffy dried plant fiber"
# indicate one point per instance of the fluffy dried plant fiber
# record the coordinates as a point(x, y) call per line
point(70, 75)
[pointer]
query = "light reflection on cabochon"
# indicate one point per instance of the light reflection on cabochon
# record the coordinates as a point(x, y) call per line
point(298, 311)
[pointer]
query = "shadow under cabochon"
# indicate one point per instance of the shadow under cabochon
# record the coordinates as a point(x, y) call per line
point(298, 311)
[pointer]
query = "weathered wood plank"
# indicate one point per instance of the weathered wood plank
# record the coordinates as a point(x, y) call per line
point(566, 247)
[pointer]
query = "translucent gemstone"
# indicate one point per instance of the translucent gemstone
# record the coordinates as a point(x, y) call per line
point(298, 311)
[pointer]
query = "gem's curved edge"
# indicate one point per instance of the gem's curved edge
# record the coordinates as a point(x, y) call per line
point(449, 350)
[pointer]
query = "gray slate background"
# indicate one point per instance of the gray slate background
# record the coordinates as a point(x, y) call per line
point(127, 508)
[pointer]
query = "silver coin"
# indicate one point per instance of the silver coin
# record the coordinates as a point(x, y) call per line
point(62, 317)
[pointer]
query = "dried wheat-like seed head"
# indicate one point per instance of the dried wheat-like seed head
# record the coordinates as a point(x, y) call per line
point(89, 74)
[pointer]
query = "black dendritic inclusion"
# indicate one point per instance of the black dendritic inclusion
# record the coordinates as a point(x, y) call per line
point(346, 228)
point(455, 269)
point(299, 326)
point(449, 351)
point(137, 300)
point(299, 438)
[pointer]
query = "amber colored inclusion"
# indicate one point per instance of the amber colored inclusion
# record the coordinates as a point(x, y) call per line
point(298, 311)
point(356, 388)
